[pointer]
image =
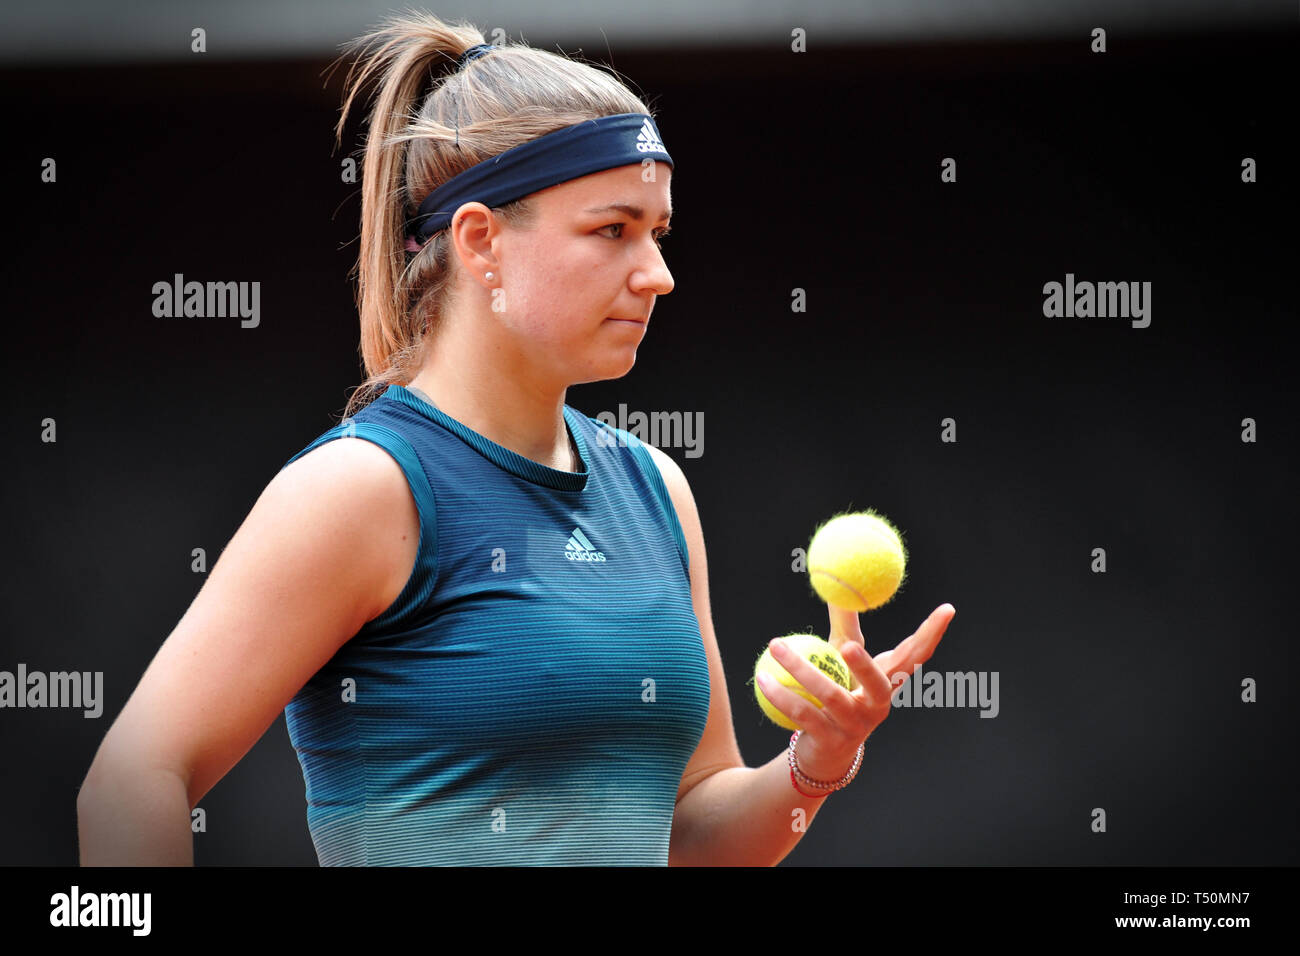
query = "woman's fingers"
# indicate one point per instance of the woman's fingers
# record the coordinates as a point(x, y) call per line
point(916, 650)
point(867, 674)
point(813, 679)
point(843, 705)
point(845, 626)
point(850, 711)
point(802, 712)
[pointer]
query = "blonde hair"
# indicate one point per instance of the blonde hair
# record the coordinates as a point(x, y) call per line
point(418, 139)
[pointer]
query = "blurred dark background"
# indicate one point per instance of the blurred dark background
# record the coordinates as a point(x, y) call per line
point(818, 171)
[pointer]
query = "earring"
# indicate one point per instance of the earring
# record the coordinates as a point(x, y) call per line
point(489, 276)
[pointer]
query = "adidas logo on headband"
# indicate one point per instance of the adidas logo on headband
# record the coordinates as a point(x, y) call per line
point(647, 141)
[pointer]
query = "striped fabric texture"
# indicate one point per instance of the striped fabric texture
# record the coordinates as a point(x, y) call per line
point(533, 695)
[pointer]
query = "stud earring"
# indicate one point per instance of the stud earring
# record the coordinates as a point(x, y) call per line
point(489, 276)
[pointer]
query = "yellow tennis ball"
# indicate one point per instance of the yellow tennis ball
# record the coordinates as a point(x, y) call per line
point(856, 561)
point(811, 648)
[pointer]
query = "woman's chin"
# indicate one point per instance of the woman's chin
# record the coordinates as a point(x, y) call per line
point(610, 368)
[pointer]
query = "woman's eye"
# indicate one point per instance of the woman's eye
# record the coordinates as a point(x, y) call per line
point(659, 234)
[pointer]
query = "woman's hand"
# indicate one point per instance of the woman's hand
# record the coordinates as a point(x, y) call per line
point(831, 735)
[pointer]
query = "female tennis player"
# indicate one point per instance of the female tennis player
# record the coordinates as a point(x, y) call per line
point(484, 614)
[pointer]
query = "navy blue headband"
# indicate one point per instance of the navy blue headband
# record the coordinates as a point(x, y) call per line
point(591, 146)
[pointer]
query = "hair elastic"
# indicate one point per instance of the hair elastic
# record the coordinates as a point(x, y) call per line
point(472, 53)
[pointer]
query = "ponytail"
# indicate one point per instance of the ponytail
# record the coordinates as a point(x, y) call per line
point(417, 139)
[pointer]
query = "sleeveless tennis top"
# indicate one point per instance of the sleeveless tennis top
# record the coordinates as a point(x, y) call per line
point(533, 695)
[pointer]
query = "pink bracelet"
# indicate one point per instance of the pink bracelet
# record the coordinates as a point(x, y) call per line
point(815, 796)
point(797, 776)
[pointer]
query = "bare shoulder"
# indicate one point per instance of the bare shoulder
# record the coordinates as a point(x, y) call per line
point(327, 546)
point(354, 459)
point(679, 490)
point(362, 485)
point(349, 473)
point(672, 473)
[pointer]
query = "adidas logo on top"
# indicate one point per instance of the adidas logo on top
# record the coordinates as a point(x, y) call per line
point(647, 141)
point(580, 549)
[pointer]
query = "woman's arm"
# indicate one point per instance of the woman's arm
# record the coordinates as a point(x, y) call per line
point(743, 816)
point(739, 816)
point(328, 546)
point(729, 814)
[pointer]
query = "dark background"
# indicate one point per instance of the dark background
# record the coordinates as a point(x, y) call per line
point(820, 171)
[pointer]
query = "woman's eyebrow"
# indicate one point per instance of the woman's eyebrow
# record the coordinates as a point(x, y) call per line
point(636, 212)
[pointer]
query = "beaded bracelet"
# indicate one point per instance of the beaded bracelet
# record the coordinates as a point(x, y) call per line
point(797, 776)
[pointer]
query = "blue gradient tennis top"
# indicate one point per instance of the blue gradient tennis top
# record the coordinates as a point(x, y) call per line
point(536, 690)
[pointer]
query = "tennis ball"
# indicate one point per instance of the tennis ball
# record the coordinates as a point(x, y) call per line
point(856, 561)
point(812, 649)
